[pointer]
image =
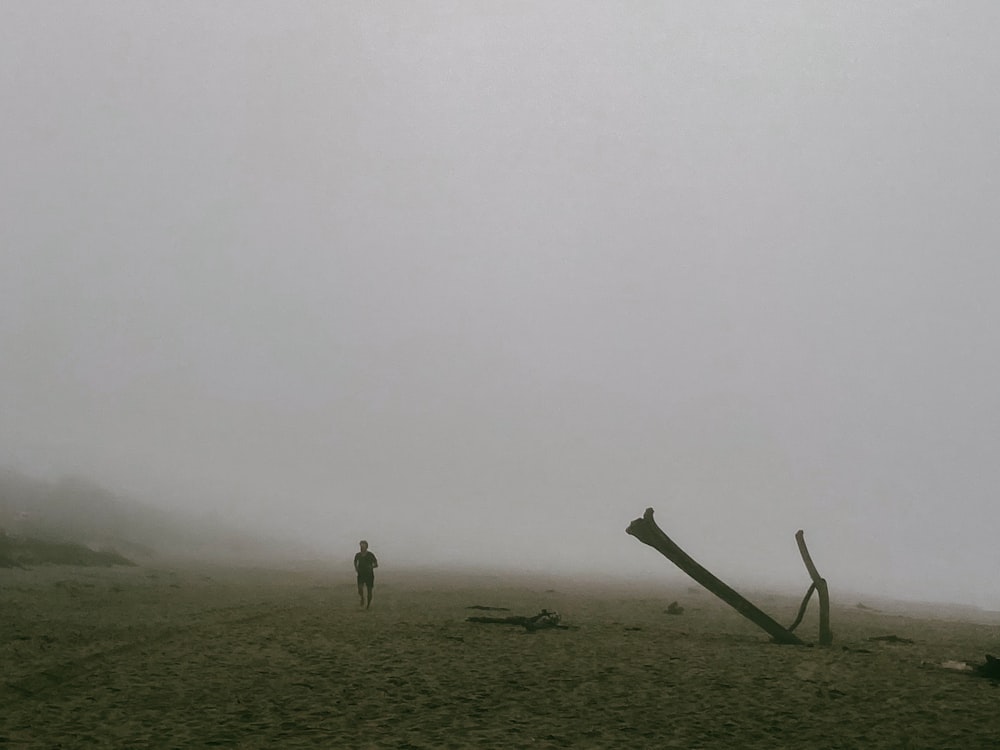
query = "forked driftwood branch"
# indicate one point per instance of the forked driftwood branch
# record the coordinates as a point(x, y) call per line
point(802, 607)
point(646, 531)
point(818, 585)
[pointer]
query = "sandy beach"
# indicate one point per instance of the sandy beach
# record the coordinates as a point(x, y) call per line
point(180, 657)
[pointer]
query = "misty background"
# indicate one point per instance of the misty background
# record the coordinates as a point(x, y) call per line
point(481, 281)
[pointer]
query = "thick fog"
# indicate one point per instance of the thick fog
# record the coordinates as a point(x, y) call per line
point(481, 281)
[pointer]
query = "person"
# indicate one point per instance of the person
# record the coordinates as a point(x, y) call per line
point(365, 563)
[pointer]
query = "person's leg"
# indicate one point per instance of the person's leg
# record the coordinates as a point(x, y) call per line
point(361, 593)
point(370, 585)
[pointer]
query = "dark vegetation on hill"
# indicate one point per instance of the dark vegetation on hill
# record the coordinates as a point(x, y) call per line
point(75, 521)
point(22, 552)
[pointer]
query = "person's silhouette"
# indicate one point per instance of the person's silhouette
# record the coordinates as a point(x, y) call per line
point(365, 563)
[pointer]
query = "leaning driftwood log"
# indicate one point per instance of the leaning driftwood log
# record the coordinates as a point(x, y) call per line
point(646, 531)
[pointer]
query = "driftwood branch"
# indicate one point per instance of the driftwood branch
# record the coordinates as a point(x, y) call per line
point(819, 583)
point(646, 531)
point(544, 619)
point(802, 607)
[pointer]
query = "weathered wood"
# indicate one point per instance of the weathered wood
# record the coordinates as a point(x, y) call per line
point(825, 634)
point(544, 619)
point(646, 531)
point(802, 607)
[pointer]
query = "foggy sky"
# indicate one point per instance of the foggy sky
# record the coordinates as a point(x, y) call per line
point(480, 281)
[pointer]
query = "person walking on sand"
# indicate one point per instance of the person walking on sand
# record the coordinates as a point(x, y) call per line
point(365, 563)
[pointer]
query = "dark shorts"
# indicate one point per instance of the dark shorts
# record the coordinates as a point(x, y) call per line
point(368, 579)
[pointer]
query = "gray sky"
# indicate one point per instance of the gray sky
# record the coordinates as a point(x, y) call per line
point(482, 280)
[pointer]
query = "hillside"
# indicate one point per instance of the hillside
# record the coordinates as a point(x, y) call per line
point(26, 551)
point(76, 521)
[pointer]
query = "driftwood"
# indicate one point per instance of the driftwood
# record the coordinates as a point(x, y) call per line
point(890, 639)
point(646, 531)
point(990, 669)
point(544, 619)
point(818, 585)
point(802, 607)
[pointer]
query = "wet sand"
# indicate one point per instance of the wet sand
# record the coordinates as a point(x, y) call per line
point(214, 657)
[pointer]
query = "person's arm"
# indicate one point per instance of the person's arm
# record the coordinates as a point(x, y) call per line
point(355, 563)
point(374, 561)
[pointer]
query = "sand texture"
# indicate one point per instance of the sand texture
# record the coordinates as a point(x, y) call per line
point(213, 657)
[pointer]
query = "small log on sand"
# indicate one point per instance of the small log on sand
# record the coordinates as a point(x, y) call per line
point(890, 639)
point(544, 619)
